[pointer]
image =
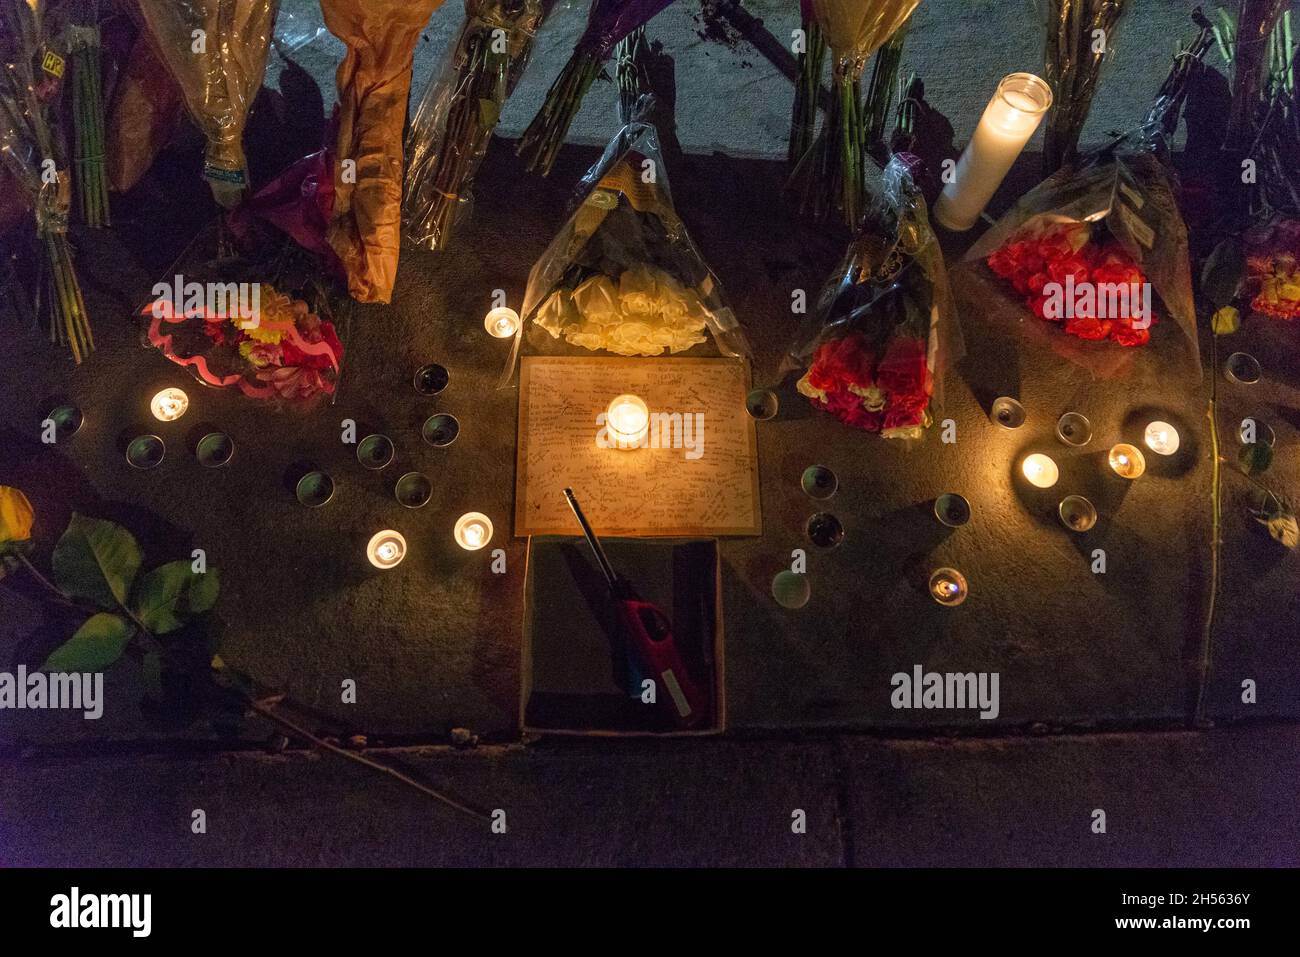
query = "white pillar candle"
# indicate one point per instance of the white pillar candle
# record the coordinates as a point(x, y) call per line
point(169, 405)
point(628, 419)
point(386, 549)
point(473, 531)
point(1008, 122)
point(502, 322)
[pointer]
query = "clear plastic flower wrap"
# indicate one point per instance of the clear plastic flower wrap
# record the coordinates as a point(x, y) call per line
point(251, 314)
point(1091, 260)
point(33, 62)
point(622, 276)
point(216, 51)
point(458, 111)
point(885, 330)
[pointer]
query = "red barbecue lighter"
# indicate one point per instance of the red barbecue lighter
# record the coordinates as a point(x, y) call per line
point(649, 635)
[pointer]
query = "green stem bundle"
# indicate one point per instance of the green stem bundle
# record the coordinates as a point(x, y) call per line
point(69, 321)
point(880, 91)
point(1079, 35)
point(471, 120)
point(540, 144)
point(803, 116)
point(88, 127)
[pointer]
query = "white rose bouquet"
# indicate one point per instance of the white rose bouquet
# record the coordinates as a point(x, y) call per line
point(622, 276)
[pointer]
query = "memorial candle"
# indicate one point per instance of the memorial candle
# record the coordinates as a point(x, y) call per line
point(1008, 122)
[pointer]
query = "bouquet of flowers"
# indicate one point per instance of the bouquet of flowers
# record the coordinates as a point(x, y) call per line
point(274, 347)
point(216, 52)
point(374, 81)
point(1273, 269)
point(31, 72)
point(885, 329)
point(1075, 53)
point(622, 276)
point(1046, 262)
point(608, 22)
point(458, 111)
point(1090, 250)
point(833, 170)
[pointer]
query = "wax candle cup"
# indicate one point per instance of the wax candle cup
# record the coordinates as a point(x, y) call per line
point(791, 589)
point(1040, 470)
point(413, 490)
point(67, 421)
point(214, 450)
point(762, 404)
point(169, 405)
point(502, 322)
point(824, 530)
point(628, 421)
point(1008, 413)
point(952, 509)
point(473, 531)
point(145, 452)
point(386, 549)
point(948, 587)
point(1127, 461)
point(1161, 438)
point(431, 379)
point(1074, 429)
point(1077, 513)
point(440, 430)
point(819, 482)
point(1008, 122)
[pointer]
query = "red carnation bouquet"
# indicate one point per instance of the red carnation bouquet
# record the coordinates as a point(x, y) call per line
point(1100, 253)
point(885, 327)
point(1088, 283)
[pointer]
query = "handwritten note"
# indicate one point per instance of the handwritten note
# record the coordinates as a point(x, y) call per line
point(697, 475)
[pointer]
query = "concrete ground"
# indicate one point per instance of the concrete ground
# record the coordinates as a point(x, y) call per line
point(435, 645)
point(867, 802)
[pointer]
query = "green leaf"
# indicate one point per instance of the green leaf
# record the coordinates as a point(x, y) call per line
point(97, 644)
point(167, 596)
point(96, 561)
point(1223, 273)
point(1255, 458)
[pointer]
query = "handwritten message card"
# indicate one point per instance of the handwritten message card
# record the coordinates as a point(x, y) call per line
point(696, 474)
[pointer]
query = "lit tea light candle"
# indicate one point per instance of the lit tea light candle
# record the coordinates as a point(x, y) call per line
point(501, 322)
point(1161, 438)
point(948, 587)
point(628, 421)
point(1127, 462)
point(1008, 122)
point(1040, 470)
point(386, 549)
point(473, 531)
point(169, 405)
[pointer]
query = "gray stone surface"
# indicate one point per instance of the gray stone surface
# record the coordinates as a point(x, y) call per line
point(1219, 798)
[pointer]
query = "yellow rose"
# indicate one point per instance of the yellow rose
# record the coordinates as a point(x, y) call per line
point(638, 290)
point(597, 300)
point(16, 517)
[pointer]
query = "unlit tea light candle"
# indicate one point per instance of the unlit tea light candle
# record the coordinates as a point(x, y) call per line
point(386, 549)
point(628, 421)
point(1040, 470)
point(1008, 122)
point(473, 531)
point(169, 404)
point(1161, 438)
point(501, 322)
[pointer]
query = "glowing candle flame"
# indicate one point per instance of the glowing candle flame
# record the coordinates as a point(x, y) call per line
point(501, 322)
point(386, 549)
point(1162, 438)
point(628, 420)
point(1040, 470)
point(169, 405)
point(473, 531)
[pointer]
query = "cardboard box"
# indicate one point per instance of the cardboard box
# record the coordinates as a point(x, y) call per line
point(571, 666)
